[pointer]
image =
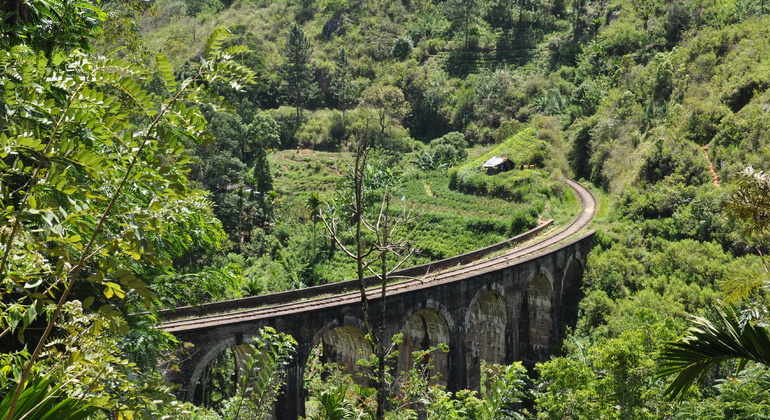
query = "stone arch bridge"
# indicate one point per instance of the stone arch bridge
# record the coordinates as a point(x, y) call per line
point(500, 309)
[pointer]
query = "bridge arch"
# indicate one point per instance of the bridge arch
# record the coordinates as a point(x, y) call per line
point(196, 394)
point(571, 292)
point(422, 329)
point(343, 344)
point(239, 348)
point(488, 333)
point(537, 314)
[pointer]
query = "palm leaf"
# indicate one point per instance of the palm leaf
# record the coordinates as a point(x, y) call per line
point(706, 344)
point(40, 401)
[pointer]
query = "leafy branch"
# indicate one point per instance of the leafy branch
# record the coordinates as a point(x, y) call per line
point(99, 91)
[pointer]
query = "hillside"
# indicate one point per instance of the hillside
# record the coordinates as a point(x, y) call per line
point(623, 94)
point(177, 152)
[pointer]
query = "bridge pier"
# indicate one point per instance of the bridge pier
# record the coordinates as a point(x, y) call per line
point(291, 403)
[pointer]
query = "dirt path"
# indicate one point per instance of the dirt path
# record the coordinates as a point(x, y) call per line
point(291, 160)
point(714, 173)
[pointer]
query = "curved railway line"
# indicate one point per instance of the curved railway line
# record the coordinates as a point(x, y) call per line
point(528, 250)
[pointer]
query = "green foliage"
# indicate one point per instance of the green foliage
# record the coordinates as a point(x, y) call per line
point(85, 369)
point(524, 219)
point(95, 199)
point(749, 203)
point(707, 344)
point(443, 152)
point(262, 374)
point(342, 88)
point(299, 85)
point(613, 379)
point(334, 7)
point(674, 210)
point(39, 401)
point(664, 160)
point(388, 102)
point(241, 195)
point(402, 48)
point(195, 7)
point(739, 396)
point(502, 389)
point(51, 27)
point(631, 89)
point(463, 15)
point(322, 131)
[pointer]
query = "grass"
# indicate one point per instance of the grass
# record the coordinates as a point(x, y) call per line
point(450, 222)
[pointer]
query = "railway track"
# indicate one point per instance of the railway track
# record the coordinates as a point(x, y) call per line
point(530, 249)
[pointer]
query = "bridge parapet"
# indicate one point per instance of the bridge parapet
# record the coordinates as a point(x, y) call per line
point(341, 287)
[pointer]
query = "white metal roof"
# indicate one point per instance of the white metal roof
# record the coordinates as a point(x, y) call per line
point(494, 161)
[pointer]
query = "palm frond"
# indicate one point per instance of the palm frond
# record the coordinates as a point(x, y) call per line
point(706, 344)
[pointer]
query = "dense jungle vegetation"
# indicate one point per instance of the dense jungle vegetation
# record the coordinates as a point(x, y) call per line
point(177, 152)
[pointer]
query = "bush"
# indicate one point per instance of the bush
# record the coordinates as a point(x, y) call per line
point(194, 7)
point(402, 48)
point(454, 139)
point(523, 220)
point(321, 131)
point(333, 7)
point(286, 118)
point(443, 152)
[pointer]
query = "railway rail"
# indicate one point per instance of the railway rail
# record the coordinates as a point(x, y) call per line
point(527, 250)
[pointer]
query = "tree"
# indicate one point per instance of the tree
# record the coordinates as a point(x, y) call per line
point(299, 84)
point(402, 48)
point(233, 167)
point(611, 379)
point(443, 152)
point(374, 232)
point(387, 102)
point(462, 14)
point(94, 193)
point(50, 27)
point(342, 87)
point(578, 11)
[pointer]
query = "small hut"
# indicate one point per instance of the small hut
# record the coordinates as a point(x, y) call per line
point(497, 164)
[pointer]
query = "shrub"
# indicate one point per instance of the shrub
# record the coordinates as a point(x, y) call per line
point(286, 118)
point(443, 152)
point(321, 131)
point(333, 7)
point(454, 139)
point(402, 48)
point(523, 219)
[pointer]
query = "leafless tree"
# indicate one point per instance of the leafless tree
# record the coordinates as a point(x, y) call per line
point(375, 227)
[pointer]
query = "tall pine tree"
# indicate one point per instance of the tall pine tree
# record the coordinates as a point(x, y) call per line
point(299, 85)
point(463, 15)
point(343, 90)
